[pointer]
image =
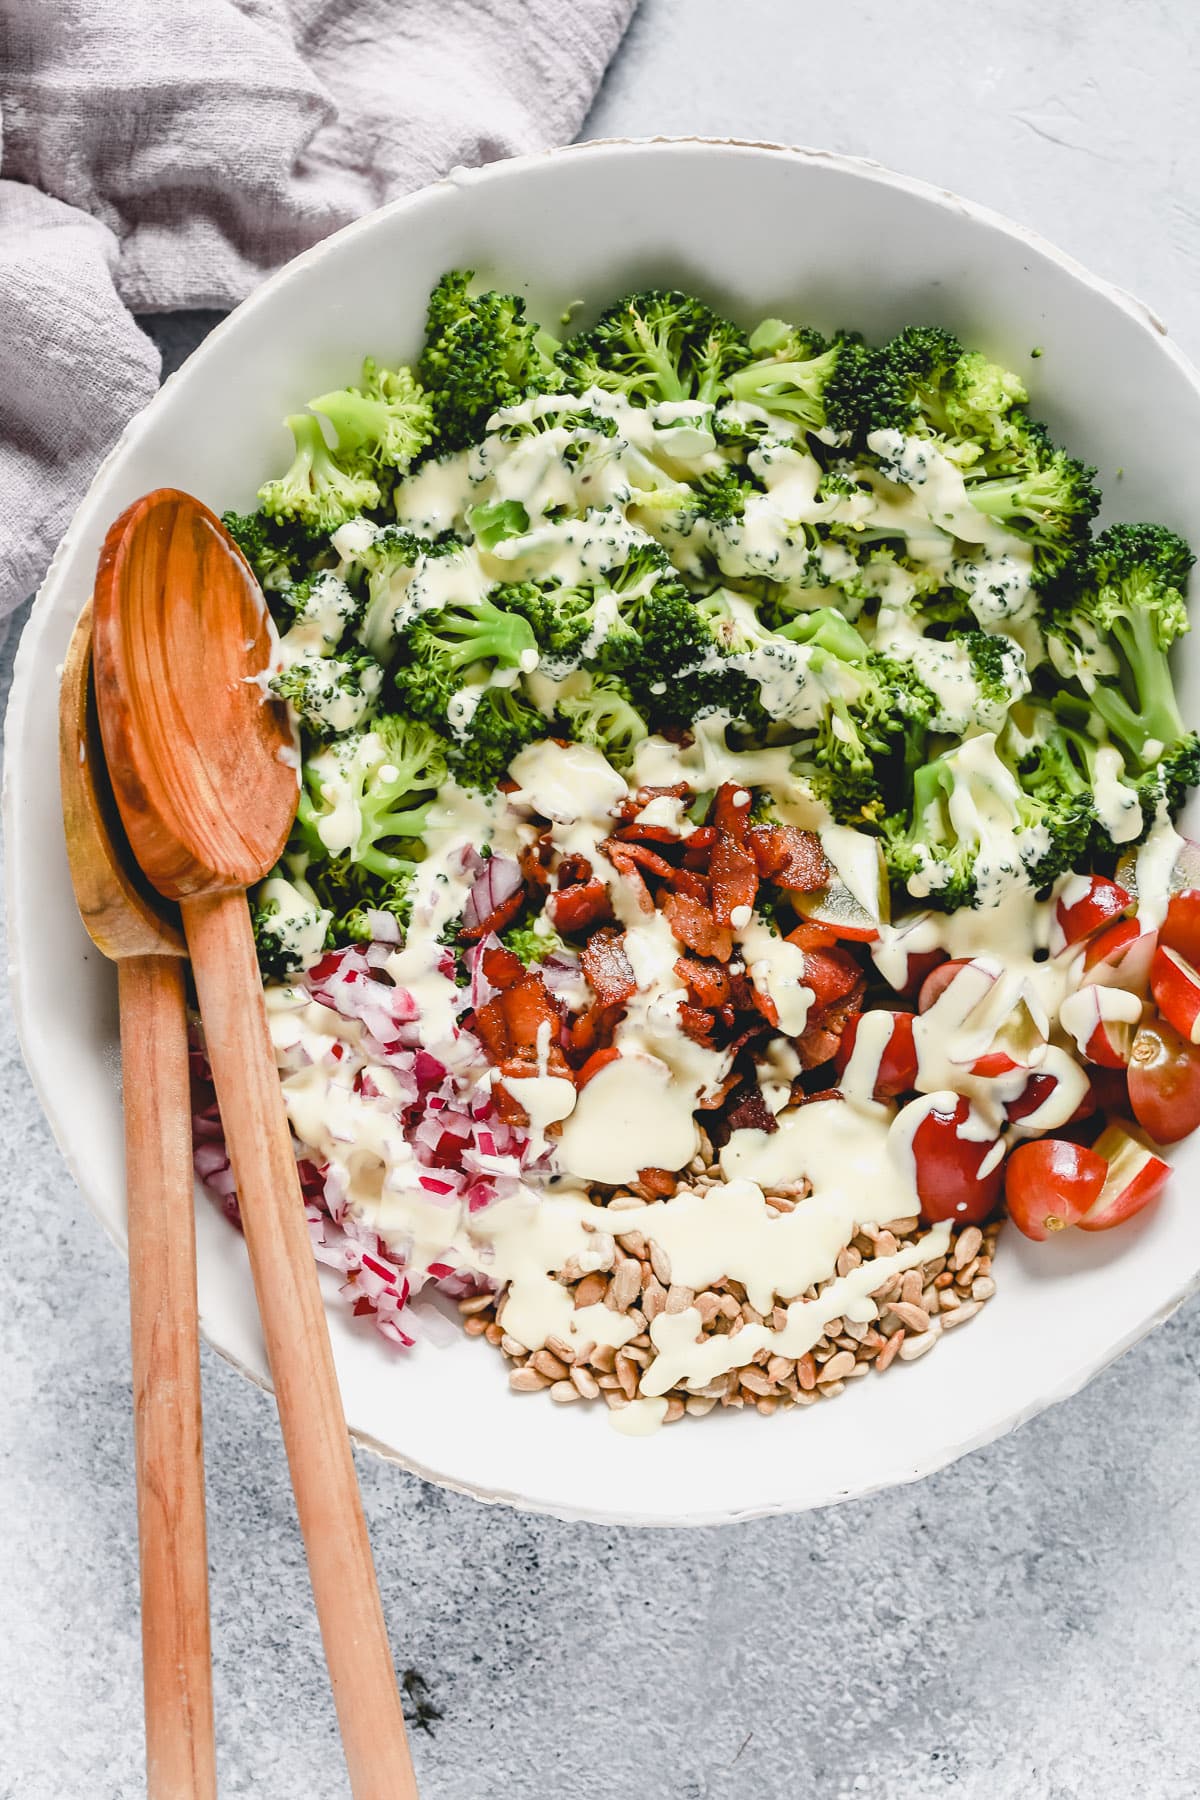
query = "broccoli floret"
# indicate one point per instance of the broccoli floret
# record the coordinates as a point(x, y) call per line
point(317, 490)
point(1134, 601)
point(498, 519)
point(329, 694)
point(655, 346)
point(290, 925)
point(367, 797)
point(1136, 597)
point(385, 422)
point(481, 353)
point(972, 827)
point(874, 732)
point(603, 713)
point(393, 563)
point(1049, 505)
point(276, 549)
point(502, 722)
point(790, 380)
point(533, 945)
point(996, 663)
point(471, 632)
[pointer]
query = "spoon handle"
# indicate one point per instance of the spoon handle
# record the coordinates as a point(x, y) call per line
point(169, 1454)
point(221, 944)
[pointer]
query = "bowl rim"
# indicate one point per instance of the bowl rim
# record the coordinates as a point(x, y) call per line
point(23, 694)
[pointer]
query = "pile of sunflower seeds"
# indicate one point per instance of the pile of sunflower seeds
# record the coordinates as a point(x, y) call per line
point(915, 1309)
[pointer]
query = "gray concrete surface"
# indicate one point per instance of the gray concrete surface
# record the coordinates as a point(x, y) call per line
point(1021, 1627)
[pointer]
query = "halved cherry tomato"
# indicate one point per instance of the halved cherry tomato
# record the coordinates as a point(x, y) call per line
point(938, 980)
point(897, 1071)
point(1180, 930)
point(947, 1165)
point(1104, 900)
point(1135, 1177)
point(1175, 984)
point(1164, 1082)
point(1051, 1184)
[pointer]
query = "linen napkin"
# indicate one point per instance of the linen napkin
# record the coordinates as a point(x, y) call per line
point(159, 154)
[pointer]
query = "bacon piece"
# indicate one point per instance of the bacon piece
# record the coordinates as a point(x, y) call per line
point(719, 1094)
point(686, 881)
point(764, 1005)
point(809, 936)
point(507, 1025)
point(572, 870)
point(533, 860)
point(632, 805)
point(791, 858)
point(734, 878)
point(707, 983)
point(659, 1181)
point(695, 927)
point(625, 862)
point(501, 967)
point(695, 1022)
point(731, 811)
point(749, 1111)
point(593, 1029)
point(621, 854)
point(599, 1059)
point(646, 834)
point(497, 919)
point(607, 967)
point(581, 907)
point(820, 1038)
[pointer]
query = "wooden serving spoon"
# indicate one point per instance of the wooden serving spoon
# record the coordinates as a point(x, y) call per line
point(205, 774)
point(129, 923)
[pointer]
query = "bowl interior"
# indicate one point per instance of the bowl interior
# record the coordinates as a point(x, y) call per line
point(758, 231)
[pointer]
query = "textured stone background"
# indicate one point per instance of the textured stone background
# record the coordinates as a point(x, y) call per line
point(1021, 1627)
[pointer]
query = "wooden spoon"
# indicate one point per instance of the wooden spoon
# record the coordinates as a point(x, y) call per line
point(204, 770)
point(130, 924)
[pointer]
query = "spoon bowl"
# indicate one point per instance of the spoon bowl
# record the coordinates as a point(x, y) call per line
point(204, 758)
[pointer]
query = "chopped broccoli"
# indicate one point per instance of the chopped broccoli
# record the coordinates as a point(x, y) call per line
point(481, 353)
point(290, 925)
point(602, 713)
point(317, 491)
point(1050, 505)
point(500, 519)
point(654, 346)
point(997, 664)
point(533, 945)
point(367, 797)
point(329, 694)
point(1134, 597)
point(385, 422)
point(503, 721)
point(276, 549)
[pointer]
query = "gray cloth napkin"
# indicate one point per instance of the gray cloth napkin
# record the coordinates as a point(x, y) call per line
point(157, 154)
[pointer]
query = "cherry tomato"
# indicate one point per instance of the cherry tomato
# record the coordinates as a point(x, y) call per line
point(1164, 1082)
point(920, 964)
point(938, 980)
point(1180, 930)
point(949, 1183)
point(897, 1072)
point(1051, 1184)
point(1103, 901)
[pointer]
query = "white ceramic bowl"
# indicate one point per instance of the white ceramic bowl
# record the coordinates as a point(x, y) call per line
point(759, 230)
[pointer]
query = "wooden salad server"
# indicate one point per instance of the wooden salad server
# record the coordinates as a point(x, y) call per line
point(130, 924)
point(204, 768)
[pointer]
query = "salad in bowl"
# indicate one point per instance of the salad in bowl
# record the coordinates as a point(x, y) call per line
point(735, 862)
